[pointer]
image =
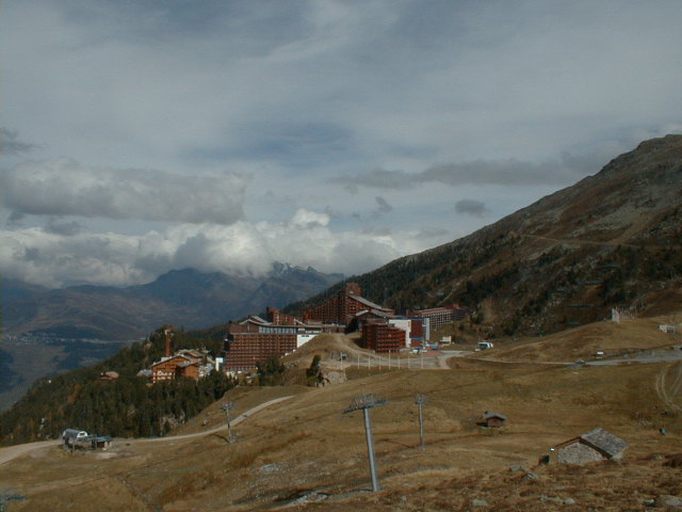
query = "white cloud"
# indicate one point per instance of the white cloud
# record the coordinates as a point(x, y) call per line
point(65, 187)
point(305, 218)
point(54, 259)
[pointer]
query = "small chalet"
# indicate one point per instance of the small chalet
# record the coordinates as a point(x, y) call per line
point(193, 364)
point(493, 419)
point(172, 367)
point(596, 445)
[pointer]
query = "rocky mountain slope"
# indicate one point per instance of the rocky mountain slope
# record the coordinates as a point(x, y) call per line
point(611, 240)
point(187, 298)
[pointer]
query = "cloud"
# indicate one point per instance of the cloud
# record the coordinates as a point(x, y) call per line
point(15, 218)
point(306, 219)
point(471, 207)
point(426, 96)
point(384, 207)
point(63, 256)
point(65, 187)
point(562, 171)
point(10, 144)
point(65, 228)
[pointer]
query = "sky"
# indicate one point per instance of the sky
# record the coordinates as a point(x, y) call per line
point(142, 136)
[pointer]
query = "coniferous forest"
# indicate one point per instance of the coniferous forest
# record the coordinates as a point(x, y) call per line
point(126, 407)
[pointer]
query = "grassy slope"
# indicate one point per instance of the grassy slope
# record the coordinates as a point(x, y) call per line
point(583, 342)
point(307, 443)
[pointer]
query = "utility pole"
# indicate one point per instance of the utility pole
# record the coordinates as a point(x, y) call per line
point(227, 407)
point(420, 400)
point(367, 402)
point(1, 301)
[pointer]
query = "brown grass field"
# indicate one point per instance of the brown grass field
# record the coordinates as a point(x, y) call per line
point(304, 454)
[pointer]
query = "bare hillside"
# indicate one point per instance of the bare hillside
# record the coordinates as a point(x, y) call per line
point(610, 240)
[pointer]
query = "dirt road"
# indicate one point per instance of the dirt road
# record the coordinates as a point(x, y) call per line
point(644, 356)
point(669, 385)
point(233, 423)
point(12, 452)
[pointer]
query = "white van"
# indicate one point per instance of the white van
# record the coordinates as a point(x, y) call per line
point(73, 434)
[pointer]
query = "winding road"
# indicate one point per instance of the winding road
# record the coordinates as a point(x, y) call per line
point(12, 452)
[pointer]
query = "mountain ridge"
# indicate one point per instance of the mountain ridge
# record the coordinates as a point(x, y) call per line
point(186, 297)
point(528, 272)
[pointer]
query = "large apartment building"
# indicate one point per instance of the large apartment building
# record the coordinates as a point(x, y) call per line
point(255, 340)
point(342, 308)
point(440, 316)
point(382, 337)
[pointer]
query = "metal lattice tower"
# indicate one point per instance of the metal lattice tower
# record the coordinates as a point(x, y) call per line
point(420, 400)
point(367, 402)
point(227, 407)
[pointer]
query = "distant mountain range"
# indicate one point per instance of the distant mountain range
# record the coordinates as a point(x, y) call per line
point(186, 298)
point(611, 240)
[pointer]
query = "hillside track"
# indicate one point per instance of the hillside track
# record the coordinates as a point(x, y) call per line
point(605, 243)
point(669, 386)
point(583, 242)
point(236, 421)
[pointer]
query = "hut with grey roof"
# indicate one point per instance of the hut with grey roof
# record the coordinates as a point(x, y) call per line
point(493, 419)
point(596, 445)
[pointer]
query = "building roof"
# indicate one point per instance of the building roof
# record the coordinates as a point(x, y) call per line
point(604, 441)
point(369, 303)
point(376, 312)
point(255, 319)
point(188, 363)
point(168, 358)
point(440, 309)
point(490, 414)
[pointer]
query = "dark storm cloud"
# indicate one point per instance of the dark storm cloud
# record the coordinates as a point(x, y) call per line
point(384, 206)
point(64, 228)
point(511, 172)
point(10, 144)
point(471, 207)
point(14, 218)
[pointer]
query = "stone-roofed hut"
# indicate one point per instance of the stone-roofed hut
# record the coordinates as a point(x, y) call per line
point(596, 445)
